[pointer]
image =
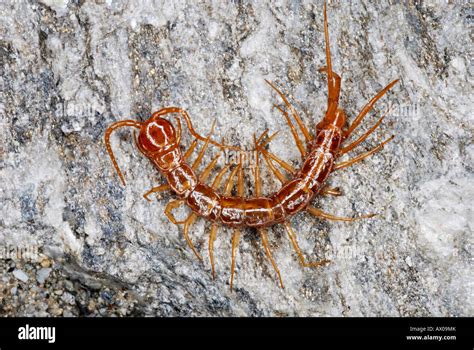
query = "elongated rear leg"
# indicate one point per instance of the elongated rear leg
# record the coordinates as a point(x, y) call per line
point(262, 231)
point(294, 242)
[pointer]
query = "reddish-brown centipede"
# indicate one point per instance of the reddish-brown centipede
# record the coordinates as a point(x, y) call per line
point(159, 141)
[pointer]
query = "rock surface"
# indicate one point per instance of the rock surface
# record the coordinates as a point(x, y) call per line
point(70, 68)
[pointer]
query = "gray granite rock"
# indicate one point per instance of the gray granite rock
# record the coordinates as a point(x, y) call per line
point(70, 68)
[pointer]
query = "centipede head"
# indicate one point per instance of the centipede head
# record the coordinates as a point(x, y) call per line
point(157, 135)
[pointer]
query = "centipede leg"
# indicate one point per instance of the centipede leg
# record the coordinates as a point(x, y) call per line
point(362, 156)
point(169, 208)
point(212, 238)
point(266, 247)
point(367, 108)
point(328, 191)
point(236, 235)
point(157, 189)
point(213, 232)
point(281, 162)
point(187, 223)
point(294, 242)
point(235, 244)
point(295, 114)
point(362, 138)
point(282, 178)
point(207, 171)
point(320, 214)
point(258, 182)
point(203, 149)
point(190, 150)
point(189, 124)
point(298, 142)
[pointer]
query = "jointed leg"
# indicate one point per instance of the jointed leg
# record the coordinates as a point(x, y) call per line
point(160, 188)
point(320, 214)
point(235, 244)
point(203, 149)
point(230, 182)
point(212, 235)
point(266, 247)
point(168, 211)
point(190, 150)
point(263, 231)
point(328, 191)
point(294, 242)
point(362, 138)
point(187, 223)
point(298, 142)
point(368, 107)
point(282, 178)
point(212, 238)
point(300, 123)
point(258, 182)
point(207, 171)
point(236, 234)
point(187, 119)
point(282, 163)
point(362, 156)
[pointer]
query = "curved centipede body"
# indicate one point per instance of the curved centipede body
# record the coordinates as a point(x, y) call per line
point(159, 140)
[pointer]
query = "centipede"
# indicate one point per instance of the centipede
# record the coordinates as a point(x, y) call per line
point(224, 203)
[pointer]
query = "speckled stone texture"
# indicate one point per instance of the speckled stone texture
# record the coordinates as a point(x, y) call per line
point(74, 241)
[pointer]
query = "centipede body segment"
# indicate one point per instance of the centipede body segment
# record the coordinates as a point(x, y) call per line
point(159, 140)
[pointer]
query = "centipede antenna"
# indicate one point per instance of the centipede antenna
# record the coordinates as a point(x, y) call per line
point(108, 132)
